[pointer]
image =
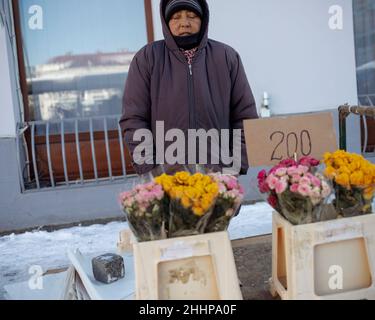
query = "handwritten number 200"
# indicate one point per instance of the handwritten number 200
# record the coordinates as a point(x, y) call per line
point(292, 144)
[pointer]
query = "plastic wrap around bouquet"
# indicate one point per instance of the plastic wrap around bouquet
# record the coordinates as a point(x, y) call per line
point(353, 179)
point(296, 190)
point(228, 202)
point(147, 212)
point(182, 204)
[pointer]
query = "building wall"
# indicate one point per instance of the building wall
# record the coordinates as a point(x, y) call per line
point(286, 42)
point(7, 119)
point(288, 50)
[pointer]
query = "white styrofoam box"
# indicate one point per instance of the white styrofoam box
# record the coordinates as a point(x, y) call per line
point(198, 267)
point(326, 260)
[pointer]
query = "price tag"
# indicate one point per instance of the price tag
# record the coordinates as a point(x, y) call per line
point(268, 141)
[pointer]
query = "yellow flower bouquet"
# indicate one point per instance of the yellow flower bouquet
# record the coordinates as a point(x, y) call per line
point(353, 178)
point(192, 199)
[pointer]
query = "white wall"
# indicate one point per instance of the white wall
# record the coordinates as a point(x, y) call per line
point(7, 119)
point(288, 50)
point(158, 32)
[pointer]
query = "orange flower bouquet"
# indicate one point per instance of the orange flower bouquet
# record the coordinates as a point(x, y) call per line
point(353, 178)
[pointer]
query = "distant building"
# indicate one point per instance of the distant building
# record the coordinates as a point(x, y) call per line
point(101, 77)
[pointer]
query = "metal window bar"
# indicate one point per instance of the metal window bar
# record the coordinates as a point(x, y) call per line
point(363, 112)
point(76, 132)
point(49, 155)
point(63, 152)
point(34, 126)
point(108, 151)
point(18, 144)
point(33, 152)
point(369, 98)
point(365, 142)
point(121, 142)
point(93, 150)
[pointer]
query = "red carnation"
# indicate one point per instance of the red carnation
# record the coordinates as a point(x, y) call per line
point(272, 200)
point(309, 162)
point(288, 163)
point(263, 187)
point(262, 175)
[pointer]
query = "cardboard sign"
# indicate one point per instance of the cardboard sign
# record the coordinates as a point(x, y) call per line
point(268, 141)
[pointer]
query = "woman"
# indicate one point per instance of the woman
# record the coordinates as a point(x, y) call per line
point(187, 81)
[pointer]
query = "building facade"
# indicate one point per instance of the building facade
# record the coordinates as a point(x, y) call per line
point(63, 65)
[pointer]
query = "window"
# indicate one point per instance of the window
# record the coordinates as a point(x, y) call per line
point(364, 26)
point(74, 56)
point(364, 30)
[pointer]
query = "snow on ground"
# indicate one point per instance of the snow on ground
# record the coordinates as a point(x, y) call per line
point(252, 221)
point(48, 249)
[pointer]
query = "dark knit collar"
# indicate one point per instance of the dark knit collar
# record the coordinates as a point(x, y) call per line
point(188, 42)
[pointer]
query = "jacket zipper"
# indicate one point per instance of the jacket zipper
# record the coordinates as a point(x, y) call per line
point(192, 116)
point(192, 123)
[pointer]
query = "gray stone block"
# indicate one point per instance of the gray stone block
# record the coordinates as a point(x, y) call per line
point(108, 268)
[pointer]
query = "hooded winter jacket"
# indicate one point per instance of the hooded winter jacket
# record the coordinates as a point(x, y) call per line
point(211, 93)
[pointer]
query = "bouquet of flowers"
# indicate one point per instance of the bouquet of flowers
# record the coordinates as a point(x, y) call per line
point(295, 189)
point(182, 204)
point(146, 209)
point(229, 200)
point(192, 199)
point(353, 179)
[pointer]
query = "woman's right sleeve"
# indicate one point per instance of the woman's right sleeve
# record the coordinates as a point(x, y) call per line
point(136, 110)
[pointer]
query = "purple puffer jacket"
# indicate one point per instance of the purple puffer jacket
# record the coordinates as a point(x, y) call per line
point(213, 94)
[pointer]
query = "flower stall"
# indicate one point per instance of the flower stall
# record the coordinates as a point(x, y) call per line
point(323, 230)
point(183, 250)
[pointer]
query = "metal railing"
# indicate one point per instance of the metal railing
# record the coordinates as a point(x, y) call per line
point(368, 100)
point(364, 112)
point(31, 181)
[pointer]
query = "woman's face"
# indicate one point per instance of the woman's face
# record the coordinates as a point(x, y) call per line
point(185, 23)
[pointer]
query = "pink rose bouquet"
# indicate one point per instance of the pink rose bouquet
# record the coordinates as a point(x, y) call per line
point(295, 189)
point(146, 209)
point(228, 202)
